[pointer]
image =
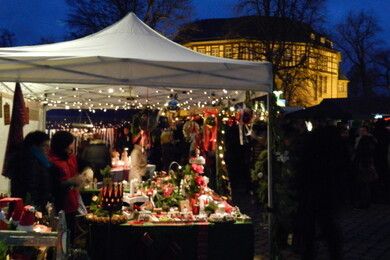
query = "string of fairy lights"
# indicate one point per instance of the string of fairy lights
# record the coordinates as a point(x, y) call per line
point(228, 117)
point(115, 98)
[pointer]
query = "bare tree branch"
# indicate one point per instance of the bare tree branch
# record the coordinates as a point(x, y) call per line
point(7, 38)
point(356, 36)
point(89, 16)
point(288, 63)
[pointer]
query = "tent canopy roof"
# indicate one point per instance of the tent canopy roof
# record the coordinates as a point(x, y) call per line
point(130, 55)
point(346, 108)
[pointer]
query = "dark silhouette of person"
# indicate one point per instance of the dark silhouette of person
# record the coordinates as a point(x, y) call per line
point(318, 183)
point(125, 140)
point(364, 167)
point(97, 156)
point(382, 135)
point(32, 178)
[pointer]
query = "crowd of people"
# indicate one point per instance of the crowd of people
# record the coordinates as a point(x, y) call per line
point(45, 173)
point(336, 165)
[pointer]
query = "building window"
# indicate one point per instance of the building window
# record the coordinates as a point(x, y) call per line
point(341, 87)
point(201, 50)
point(215, 51)
point(228, 52)
point(325, 85)
point(288, 54)
point(319, 86)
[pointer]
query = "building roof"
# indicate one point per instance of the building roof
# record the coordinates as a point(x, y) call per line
point(342, 76)
point(249, 27)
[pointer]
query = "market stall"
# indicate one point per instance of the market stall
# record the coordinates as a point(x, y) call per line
point(128, 65)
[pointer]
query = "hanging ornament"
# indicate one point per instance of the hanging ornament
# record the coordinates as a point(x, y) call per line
point(173, 103)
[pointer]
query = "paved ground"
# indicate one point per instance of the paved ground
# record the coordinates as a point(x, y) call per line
point(366, 234)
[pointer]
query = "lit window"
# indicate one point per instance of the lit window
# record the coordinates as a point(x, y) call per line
point(215, 51)
point(341, 87)
point(201, 50)
point(325, 85)
point(228, 52)
point(288, 54)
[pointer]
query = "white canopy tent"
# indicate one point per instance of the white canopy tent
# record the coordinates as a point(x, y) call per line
point(135, 62)
point(130, 55)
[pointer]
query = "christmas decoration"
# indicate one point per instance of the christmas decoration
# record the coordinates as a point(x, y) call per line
point(27, 219)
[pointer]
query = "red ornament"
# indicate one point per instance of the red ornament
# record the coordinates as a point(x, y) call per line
point(200, 181)
point(198, 168)
point(167, 191)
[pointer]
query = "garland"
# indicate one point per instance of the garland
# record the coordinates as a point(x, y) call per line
point(284, 192)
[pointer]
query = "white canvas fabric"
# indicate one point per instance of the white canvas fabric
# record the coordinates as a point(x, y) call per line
point(130, 53)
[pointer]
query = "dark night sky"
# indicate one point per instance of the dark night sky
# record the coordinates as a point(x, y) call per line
point(32, 19)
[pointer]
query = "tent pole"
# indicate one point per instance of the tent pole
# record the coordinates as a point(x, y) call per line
point(269, 173)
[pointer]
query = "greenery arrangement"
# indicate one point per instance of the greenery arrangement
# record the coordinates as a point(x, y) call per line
point(106, 172)
point(284, 192)
point(191, 187)
point(3, 250)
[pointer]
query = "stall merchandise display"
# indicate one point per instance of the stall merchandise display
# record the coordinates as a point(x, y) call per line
point(176, 197)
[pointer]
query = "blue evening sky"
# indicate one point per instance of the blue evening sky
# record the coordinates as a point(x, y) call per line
point(31, 20)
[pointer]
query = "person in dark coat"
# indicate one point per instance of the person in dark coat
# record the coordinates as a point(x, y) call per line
point(125, 140)
point(365, 172)
point(97, 156)
point(31, 178)
point(319, 191)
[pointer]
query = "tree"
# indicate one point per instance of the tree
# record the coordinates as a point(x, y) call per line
point(306, 11)
point(298, 18)
point(382, 61)
point(356, 36)
point(7, 38)
point(89, 16)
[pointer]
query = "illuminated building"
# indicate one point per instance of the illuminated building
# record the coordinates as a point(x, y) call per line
point(308, 65)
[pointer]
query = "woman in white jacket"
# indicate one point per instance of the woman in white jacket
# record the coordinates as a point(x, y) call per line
point(138, 159)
